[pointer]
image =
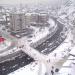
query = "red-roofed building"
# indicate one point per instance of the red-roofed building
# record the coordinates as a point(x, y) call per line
point(2, 39)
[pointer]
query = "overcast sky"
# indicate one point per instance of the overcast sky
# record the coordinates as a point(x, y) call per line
point(19, 1)
point(30, 1)
point(24, 1)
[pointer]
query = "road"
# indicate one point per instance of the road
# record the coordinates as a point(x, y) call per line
point(21, 59)
point(52, 43)
point(54, 61)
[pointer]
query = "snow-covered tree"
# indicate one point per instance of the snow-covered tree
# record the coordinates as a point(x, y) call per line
point(67, 3)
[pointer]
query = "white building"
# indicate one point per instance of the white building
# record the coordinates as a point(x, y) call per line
point(28, 19)
point(39, 18)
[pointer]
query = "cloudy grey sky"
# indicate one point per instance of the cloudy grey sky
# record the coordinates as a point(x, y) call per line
point(31, 1)
point(24, 1)
point(19, 1)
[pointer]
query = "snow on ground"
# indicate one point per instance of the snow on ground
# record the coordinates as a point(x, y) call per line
point(73, 51)
point(4, 45)
point(27, 70)
point(40, 35)
point(68, 67)
point(31, 69)
point(51, 22)
point(62, 49)
point(41, 32)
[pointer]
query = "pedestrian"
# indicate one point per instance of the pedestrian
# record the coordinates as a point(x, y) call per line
point(54, 54)
point(52, 72)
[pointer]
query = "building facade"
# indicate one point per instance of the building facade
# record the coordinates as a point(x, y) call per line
point(17, 22)
point(20, 21)
point(39, 18)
